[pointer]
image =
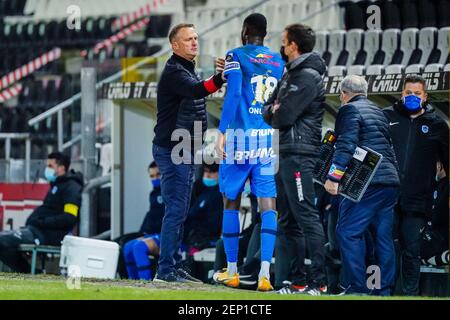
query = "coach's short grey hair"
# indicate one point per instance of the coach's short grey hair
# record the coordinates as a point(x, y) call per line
point(354, 84)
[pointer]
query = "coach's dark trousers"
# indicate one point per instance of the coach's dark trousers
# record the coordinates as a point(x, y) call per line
point(176, 189)
point(375, 212)
point(408, 227)
point(298, 215)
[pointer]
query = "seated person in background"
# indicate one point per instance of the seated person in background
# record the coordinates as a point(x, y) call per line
point(136, 251)
point(435, 236)
point(204, 221)
point(51, 221)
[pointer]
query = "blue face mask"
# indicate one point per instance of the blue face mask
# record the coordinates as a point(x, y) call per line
point(412, 103)
point(156, 183)
point(50, 174)
point(210, 182)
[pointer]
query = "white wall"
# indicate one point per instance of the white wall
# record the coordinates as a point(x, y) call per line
point(137, 156)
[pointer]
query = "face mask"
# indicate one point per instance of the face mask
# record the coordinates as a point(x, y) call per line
point(50, 174)
point(412, 103)
point(210, 182)
point(283, 55)
point(156, 183)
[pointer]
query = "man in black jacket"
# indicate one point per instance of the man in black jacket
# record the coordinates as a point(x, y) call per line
point(296, 109)
point(181, 105)
point(50, 222)
point(420, 139)
point(359, 122)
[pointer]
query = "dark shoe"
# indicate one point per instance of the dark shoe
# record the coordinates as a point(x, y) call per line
point(316, 290)
point(182, 273)
point(170, 277)
point(290, 288)
point(248, 279)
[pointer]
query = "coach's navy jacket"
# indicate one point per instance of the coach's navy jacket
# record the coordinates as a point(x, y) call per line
point(362, 123)
point(180, 99)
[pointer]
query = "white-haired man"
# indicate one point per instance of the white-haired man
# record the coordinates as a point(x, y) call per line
point(359, 122)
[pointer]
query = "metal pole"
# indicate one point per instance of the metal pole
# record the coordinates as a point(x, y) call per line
point(8, 158)
point(8, 148)
point(27, 159)
point(60, 130)
point(88, 152)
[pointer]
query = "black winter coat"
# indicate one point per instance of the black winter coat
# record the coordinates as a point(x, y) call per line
point(58, 214)
point(418, 144)
point(301, 95)
point(180, 99)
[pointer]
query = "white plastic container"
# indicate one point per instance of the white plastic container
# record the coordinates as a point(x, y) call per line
point(89, 258)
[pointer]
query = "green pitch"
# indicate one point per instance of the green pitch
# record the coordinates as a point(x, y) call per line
point(28, 287)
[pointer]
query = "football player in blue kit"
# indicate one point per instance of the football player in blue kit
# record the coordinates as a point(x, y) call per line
point(245, 145)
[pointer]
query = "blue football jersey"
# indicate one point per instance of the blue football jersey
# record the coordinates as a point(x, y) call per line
point(259, 70)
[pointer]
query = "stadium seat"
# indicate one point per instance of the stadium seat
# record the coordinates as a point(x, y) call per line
point(384, 56)
point(353, 44)
point(414, 68)
point(434, 67)
point(321, 45)
point(356, 70)
point(375, 70)
point(394, 69)
point(391, 39)
point(372, 45)
point(337, 71)
point(443, 44)
point(336, 46)
point(423, 54)
point(403, 54)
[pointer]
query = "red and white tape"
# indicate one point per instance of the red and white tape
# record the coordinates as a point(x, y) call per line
point(10, 92)
point(118, 36)
point(29, 67)
point(146, 10)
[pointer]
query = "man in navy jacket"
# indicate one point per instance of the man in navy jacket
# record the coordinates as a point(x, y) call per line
point(181, 104)
point(361, 123)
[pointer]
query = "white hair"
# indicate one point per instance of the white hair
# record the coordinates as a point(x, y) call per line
point(354, 84)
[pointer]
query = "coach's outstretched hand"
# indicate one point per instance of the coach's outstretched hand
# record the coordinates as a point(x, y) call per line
point(220, 66)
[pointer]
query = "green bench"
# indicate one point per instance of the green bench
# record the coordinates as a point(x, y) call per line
point(38, 249)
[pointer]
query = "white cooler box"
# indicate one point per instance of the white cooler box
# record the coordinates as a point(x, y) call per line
point(89, 258)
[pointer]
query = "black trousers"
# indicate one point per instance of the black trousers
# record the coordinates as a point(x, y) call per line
point(298, 215)
point(9, 244)
point(408, 226)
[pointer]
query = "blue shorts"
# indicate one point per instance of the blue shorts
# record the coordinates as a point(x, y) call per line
point(232, 178)
point(155, 237)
